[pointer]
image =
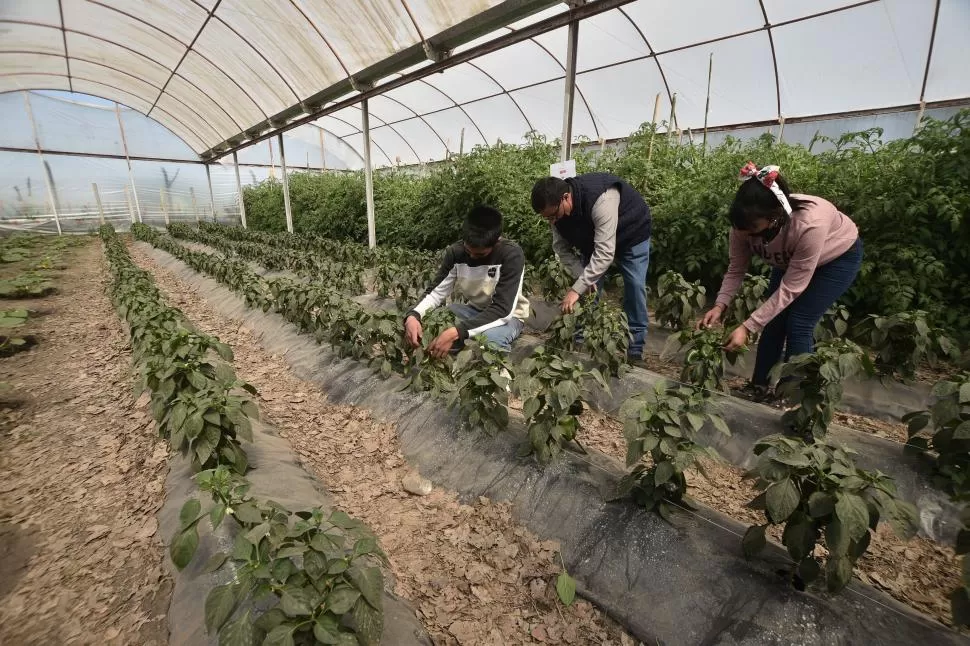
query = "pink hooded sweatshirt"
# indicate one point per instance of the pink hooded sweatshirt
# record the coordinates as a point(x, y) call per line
point(815, 235)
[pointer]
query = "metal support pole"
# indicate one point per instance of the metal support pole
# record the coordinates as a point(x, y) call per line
point(239, 190)
point(131, 174)
point(707, 106)
point(572, 47)
point(195, 203)
point(461, 143)
point(286, 185)
point(323, 157)
point(48, 179)
point(97, 198)
point(131, 209)
point(212, 197)
point(369, 180)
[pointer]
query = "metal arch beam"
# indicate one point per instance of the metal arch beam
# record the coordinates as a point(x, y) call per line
point(489, 20)
point(663, 75)
point(146, 57)
point(929, 54)
point(326, 41)
point(186, 53)
point(416, 115)
point(339, 138)
point(580, 92)
point(505, 92)
point(118, 89)
point(380, 125)
point(774, 57)
point(67, 58)
point(455, 105)
point(120, 71)
point(67, 153)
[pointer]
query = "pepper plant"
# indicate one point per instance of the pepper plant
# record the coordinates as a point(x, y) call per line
point(551, 389)
point(551, 280)
point(749, 298)
point(814, 381)
point(678, 301)
point(429, 373)
point(945, 430)
point(834, 323)
point(704, 357)
point(10, 319)
point(321, 566)
point(818, 493)
point(904, 340)
point(607, 337)
point(664, 427)
point(483, 378)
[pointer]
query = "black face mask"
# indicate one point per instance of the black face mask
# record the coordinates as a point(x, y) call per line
point(773, 229)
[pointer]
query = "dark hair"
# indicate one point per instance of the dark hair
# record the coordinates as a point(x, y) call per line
point(483, 227)
point(547, 192)
point(754, 201)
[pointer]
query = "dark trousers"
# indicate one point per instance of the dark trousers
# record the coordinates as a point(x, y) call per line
point(792, 331)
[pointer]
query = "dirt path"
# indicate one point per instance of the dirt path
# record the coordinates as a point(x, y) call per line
point(474, 575)
point(81, 477)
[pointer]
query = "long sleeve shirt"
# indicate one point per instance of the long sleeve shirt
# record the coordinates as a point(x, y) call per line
point(492, 285)
point(606, 213)
point(815, 235)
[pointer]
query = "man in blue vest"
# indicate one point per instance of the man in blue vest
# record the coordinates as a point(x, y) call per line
point(604, 219)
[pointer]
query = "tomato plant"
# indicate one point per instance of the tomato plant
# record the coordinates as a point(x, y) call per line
point(904, 340)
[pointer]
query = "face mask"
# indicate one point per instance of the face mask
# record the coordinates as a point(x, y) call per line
point(773, 230)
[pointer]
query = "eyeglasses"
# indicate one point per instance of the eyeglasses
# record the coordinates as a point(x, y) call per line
point(555, 215)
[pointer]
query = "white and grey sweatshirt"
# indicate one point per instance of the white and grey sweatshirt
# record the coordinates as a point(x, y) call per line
point(493, 285)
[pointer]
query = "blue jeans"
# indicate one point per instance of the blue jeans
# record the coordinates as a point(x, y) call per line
point(633, 265)
point(502, 336)
point(792, 331)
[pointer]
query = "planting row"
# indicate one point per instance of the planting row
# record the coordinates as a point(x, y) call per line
point(320, 567)
point(813, 489)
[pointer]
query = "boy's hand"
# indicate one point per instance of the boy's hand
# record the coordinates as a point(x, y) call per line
point(441, 346)
point(412, 331)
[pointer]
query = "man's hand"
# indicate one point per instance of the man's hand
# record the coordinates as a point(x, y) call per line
point(569, 302)
point(441, 346)
point(711, 318)
point(738, 339)
point(412, 331)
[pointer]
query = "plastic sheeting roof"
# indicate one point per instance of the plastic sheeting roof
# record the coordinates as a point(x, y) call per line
point(211, 69)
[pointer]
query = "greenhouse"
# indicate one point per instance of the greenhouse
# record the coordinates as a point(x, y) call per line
point(485, 322)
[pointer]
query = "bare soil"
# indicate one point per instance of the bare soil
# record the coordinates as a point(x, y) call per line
point(83, 476)
point(474, 575)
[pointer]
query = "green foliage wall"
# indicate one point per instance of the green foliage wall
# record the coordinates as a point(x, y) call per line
point(910, 199)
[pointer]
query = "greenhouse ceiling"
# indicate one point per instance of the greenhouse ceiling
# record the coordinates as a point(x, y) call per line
point(442, 75)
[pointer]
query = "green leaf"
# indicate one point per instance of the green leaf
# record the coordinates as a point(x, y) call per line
point(219, 604)
point(809, 570)
point(566, 588)
point(370, 582)
point(216, 514)
point(189, 513)
point(342, 520)
point(215, 562)
point(183, 546)
point(781, 499)
point(962, 431)
point(754, 540)
point(238, 632)
point(663, 472)
point(838, 573)
point(965, 393)
point(369, 623)
point(296, 602)
point(326, 629)
point(342, 599)
point(282, 635)
point(820, 504)
point(248, 514)
point(720, 424)
point(853, 513)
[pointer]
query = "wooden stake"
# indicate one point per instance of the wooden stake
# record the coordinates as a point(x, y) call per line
point(164, 203)
point(707, 106)
point(673, 114)
point(653, 133)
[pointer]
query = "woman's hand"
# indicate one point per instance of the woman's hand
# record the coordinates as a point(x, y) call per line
point(738, 339)
point(711, 318)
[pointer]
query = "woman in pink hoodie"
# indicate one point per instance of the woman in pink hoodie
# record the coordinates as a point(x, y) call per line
point(815, 253)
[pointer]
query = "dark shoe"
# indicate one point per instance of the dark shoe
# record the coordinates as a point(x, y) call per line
point(755, 393)
point(576, 408)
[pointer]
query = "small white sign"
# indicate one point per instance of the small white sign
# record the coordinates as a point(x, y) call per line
point(564, 169)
